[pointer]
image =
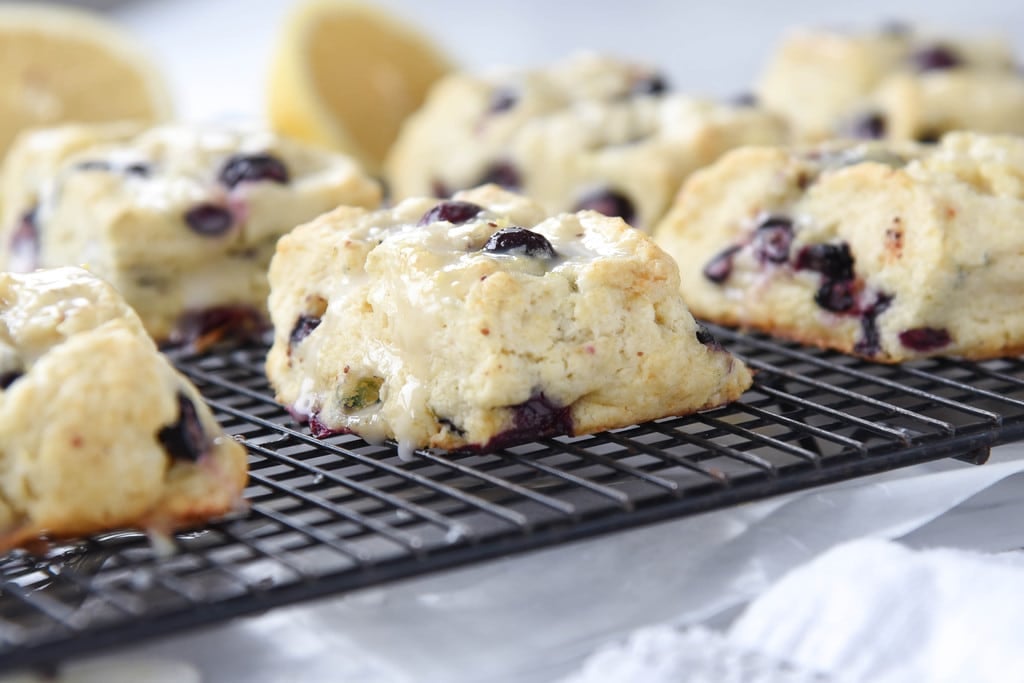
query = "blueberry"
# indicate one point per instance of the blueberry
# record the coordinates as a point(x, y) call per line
point(869, 343)
point(772, 239)
point(209, 220)
point(242, 168)
point(925, 338)
point(744, 99)
point(836, 296)
point(719, 268)
point(935, 58)
point(654, 84)
point(705, 337)
point(185, 439)
point(208, 325)
point(452, 211)
point(302, 329)
point(868, 126)
point(536, 418)
point(609, 202)
point(8, 378)
point(24, 244)
point(439, 189)
point(321, 431)
point(139, 168)
point(520, 240)
point(93, 165)
point(834, 261)
point(502, 173)
point(502, 99)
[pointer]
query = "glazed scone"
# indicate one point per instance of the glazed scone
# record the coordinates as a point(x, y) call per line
point(590, 132)
point(887, 251)
point(479, 322)
point(97, 430)
point(893, 83)
point(181, 220)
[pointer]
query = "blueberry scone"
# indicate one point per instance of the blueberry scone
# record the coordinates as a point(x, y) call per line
point(590, 132)
point(893, 83)
point(888, 251)
point(478, 322)
point(97, 430)
point(182, 221)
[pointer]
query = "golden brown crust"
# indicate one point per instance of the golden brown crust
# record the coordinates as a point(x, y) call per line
point(930, 234)
point(87, 445)
point(434, 339)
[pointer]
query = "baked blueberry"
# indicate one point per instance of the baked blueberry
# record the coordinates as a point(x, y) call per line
point(834, 261)
point(185, 439)
point(242, 168)
point(744, 99)
point(8, 378)
point(209, 220)
point(93, 165)
point(609, 202)
point(502, 173)
point(516, 240)
point(503, 99)
point(705, 337)
point(654, 84)
point(302, 329)
point(925, 338)
point(869, 343)
point(868, 126)
point(772, 239)
point(452, 211)
point(536, 418)
point(139, 168)
point(24, 244)
point(209, 325)
point(438, 188)
point(837, 296)
point(935, 58)
point(719, 268)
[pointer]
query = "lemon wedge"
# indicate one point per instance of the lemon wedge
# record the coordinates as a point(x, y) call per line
point(346, 75)
point(68, 65)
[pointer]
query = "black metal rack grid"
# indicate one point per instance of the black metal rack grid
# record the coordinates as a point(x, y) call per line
point(339, 514)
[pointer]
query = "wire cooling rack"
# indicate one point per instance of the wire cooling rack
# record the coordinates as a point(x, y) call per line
point(339, 514)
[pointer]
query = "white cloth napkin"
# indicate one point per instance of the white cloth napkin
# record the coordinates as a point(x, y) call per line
point(876, 611)
point(867, 610)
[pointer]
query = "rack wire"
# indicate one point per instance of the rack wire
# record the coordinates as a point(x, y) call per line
point(340, 514)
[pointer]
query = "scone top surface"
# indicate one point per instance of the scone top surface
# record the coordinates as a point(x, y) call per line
point(588, 132)
point(97, 430)
point(481, 321)
point(888, 251)
point(179, 218)
point(149, 188)
point(895, 83)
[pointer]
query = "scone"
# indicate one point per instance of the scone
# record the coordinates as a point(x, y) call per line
point(590, 132)
point(181, 220)
point(480, 322)
point(893, 83)
point(888, 251)
point(97, 430)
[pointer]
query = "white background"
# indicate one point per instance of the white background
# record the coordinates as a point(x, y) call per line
point(217, 51)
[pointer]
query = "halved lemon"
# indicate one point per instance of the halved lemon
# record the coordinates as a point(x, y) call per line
point(59, 64)
point(346, 75)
